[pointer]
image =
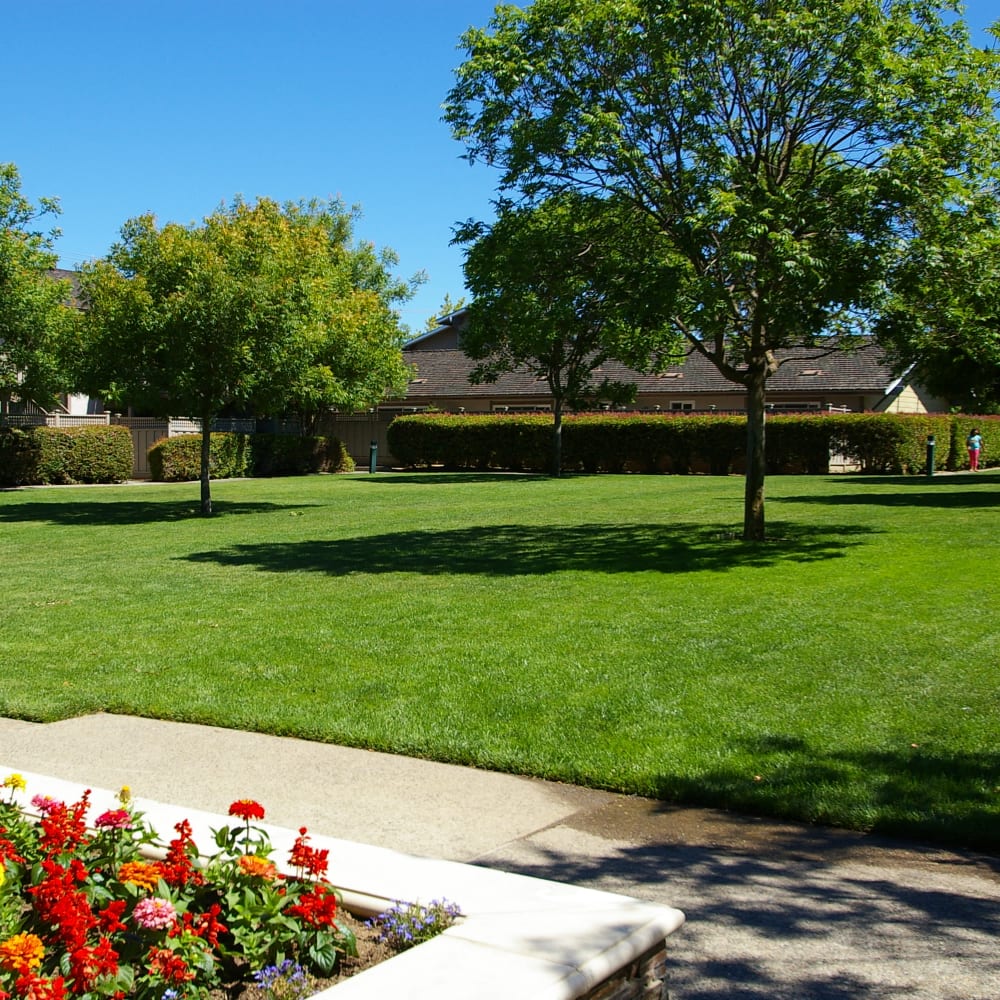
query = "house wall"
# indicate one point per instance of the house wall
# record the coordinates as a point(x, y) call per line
point(913, 399)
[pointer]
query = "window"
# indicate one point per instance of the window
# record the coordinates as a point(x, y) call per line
point(681, 405)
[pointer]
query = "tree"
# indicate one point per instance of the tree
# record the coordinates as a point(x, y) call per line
point(447, 307)
point(33, 306)
point(778, 146)
point(261, 306)
point(942, 318)
point(554, 290)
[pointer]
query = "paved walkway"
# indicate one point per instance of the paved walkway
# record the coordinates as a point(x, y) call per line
point(774, 910)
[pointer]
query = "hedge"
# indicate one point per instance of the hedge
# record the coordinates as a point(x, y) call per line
point(686, 443)
point(56, 456)
point(178, 459)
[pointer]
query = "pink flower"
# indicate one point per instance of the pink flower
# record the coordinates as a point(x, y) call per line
point(115, 819)
point(154, 914)
point(44, 803)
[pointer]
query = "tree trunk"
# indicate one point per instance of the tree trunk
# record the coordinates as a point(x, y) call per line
point(557, 440)
point(206, 465)
point(753, 497)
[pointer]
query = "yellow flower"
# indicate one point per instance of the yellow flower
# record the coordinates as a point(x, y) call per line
point(21, 953)
point(15, 781)
point(125, 795)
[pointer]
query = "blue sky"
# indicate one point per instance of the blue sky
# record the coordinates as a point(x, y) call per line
point(173, 106)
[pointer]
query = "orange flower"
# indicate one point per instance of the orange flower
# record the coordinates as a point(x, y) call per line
point(251, 864)
point(21, 953)
point(145, 874)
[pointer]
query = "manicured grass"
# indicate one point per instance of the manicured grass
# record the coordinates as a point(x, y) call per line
point(608, 630)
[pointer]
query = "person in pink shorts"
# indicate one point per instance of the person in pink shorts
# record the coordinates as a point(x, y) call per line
point(974, 442)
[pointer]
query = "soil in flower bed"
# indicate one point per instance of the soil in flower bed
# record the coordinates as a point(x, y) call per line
point(371, 951)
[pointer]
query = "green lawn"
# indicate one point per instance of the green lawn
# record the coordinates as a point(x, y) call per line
point(607, 630)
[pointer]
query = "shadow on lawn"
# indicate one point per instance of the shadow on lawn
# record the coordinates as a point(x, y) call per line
point(918, 792)
point(908, 491)
point(120, 512)
point(522, 550)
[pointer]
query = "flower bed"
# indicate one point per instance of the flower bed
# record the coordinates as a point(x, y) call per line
point(86, 912)
point(518, 936)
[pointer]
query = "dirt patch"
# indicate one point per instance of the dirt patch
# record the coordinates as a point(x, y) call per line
point(371, 951)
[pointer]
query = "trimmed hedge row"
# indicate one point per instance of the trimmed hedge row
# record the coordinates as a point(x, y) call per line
point(686, 443)
point(232, 456)
point(57, 456)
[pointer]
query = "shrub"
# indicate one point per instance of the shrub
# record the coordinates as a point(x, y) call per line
point(688, 442)
point(292, 455)
point(178, 459)
point(56, 456)
point(18, 456)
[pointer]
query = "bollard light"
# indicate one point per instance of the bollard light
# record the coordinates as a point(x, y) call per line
point(372, 457)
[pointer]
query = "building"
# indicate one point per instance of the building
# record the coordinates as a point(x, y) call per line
point(808, 379)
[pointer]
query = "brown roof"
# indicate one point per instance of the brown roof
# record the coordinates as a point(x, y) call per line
point(445, 373)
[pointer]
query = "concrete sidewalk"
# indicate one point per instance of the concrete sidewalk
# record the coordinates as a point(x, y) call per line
point(773, 910)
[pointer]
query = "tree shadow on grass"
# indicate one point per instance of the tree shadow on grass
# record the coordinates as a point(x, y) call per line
point(908, 491)
point(123, 512)
point(443, 478)
point(919, 793)
point(531, 550)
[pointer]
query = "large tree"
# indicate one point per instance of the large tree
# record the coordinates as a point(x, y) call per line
point(34, 307)
point(554, 291)
point(941, 320)
point(261, 306)
point(778, 146)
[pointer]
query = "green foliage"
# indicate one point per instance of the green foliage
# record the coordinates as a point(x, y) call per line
point(893, 442)
point(941, 321)
point(290, 455)
point(685, 443)
point(447, 307)
point(178, 459)
point(34, 308)
point(18, 456)
point(57, 456)
point(555, 291)
point(781, 151)
point(264, 307)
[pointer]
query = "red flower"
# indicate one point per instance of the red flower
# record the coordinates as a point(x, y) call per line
point(203, 925)
point(109, 919)
point(31, 987)
point(163, 962)
point(178, 866)
point(65, 827)
point(309, 860)
point(8, 852)
point(318, 907)
point(247, 809)
point(86, 965)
